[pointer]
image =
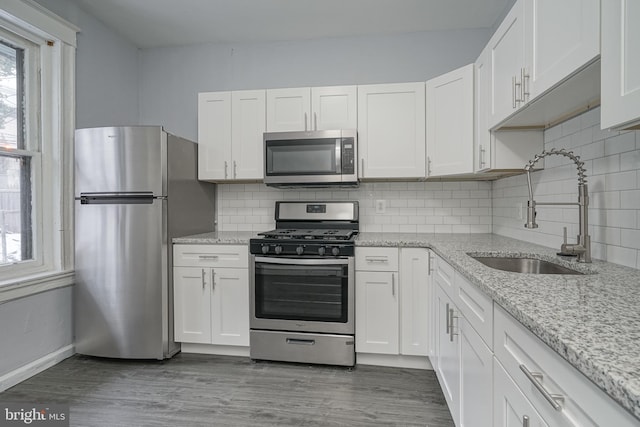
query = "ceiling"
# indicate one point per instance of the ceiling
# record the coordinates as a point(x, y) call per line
point(157, 23)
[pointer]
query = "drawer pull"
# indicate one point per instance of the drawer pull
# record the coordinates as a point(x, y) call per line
point(377, 260)
point(535, 378)
point(298, 341)
point(448, 318)
point(451, 317)
point(208, 256)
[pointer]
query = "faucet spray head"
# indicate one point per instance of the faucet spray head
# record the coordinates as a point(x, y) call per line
point(531, 215)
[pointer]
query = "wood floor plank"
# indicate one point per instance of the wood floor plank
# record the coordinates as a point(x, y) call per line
point(205, 390)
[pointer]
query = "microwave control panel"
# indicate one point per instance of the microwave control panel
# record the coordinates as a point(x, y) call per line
point(348, 156)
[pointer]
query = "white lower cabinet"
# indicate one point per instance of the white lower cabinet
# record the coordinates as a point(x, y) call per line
point(392, 301)
point(211, 294)
point(510, 406)
point(558, 392)
point(462, 357)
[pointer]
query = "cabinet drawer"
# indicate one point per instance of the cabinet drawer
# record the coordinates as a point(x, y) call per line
point(476, 307)
point(211, 256)
point(444, 275)
point(377, 259)
point(583, 404)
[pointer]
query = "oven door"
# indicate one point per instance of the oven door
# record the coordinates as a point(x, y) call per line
point(302, 294)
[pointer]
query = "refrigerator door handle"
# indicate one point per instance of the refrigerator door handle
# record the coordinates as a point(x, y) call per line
point(137, 197)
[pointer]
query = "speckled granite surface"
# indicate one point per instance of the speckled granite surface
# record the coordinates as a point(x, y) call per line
point(217, 237)
point(592, 321)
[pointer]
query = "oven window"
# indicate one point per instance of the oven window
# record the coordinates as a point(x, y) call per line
point(307, 157)
point(296, 292)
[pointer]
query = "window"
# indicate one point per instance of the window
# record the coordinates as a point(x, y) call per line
point(37, 63)
point(16, 153)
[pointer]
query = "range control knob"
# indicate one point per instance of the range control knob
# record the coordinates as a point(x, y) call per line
point(299, 250)
point(335, 251)
point(278, 250)
point(265, 249)
point(321, 250)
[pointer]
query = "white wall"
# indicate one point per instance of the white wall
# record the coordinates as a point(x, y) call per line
point(170, 78)
point(612, 162)
point(106, 70)
point(106, 94)
point(411, 207)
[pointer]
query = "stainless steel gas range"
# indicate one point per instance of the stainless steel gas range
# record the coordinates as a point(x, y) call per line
point(302, 285)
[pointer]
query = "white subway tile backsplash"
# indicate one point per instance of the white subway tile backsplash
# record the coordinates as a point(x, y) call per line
point(612, 162)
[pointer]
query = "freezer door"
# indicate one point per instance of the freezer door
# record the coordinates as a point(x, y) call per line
point(121, 277)
point(121, 159)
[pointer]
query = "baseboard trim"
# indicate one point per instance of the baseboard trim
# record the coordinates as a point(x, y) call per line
point(222, 350)
point(16, 376)
point(394, 361)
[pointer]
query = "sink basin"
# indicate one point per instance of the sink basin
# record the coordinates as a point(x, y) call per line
point(523, 265)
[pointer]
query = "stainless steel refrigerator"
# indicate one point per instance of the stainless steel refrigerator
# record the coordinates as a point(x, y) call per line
point(136, 188)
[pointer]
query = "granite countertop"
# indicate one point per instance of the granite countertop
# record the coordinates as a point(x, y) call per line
point(217, 238)
point(591, 320)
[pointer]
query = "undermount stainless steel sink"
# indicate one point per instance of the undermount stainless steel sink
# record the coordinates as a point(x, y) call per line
point(523, 265)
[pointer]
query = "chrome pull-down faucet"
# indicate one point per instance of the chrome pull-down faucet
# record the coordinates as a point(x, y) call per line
point(582, 248)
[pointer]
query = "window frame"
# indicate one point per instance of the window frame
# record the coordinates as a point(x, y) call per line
point(51, 42)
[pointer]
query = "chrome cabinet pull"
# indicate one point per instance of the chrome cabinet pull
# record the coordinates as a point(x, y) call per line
point(430, 271)
point(447, 316)
point(525, 421)
point(235, 169)
point(305, 122)
point(536, 378)
point(377, 260)
point(208, 256)
point(315, 121)
point(225, 169)
point(203, 282)
point(524, 81)
point(213, 279)
point(451, 316)
point(513, 92)
point(481, 161)
point(362, 168)
point(428, 166)
point(393, 284)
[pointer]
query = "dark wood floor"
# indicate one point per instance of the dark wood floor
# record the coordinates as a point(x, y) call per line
point(202, 390)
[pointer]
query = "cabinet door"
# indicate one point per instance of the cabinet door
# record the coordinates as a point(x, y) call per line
point(561, 37)
point(214, 135)
point(482, 134)
point(620, 64)
point(506, 59)
point(414, 301)
point(510, 407)
point(230, 306)
point(448, 350)
point(391, 130)
point(377, 312)
point(476, 376)
point(248, 123)
point(288, 109)
point(450, 123)
point(191, 300)
point(334, 107)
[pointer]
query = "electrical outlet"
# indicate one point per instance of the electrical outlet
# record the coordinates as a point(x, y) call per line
point(381, 206)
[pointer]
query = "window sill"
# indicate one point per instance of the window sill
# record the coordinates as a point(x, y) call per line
point(30, 285)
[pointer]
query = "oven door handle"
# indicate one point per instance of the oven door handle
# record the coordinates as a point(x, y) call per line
point(289, 261)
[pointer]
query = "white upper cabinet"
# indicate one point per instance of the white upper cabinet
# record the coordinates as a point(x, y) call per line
point(306, 109)
point(214, 135)
point(450, 123)
point(620, 64)
point(391, 130)
point(247, 126)
point(230, 128)
point(506, 59)
point(538, 46)
point(334, 107)
point(288, 109)
point(561, 36)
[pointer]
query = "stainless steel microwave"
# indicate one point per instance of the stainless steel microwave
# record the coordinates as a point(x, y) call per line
point(315, 158)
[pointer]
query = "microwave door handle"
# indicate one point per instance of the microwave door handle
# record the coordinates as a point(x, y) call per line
point(339, 156)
